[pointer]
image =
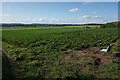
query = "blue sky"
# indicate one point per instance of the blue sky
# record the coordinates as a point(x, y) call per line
point(59, 12)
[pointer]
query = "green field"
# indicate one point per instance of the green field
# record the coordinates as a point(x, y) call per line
point(28, 28)
point(51, 52)
point(6, 74)
point(91, 26)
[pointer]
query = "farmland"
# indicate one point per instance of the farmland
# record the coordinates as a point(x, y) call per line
point(91, 26)
point(62, 52)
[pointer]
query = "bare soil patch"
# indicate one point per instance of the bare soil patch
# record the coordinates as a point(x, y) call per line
point(87, 57)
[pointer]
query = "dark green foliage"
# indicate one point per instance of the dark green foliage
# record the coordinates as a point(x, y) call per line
point(115, 61)
point(86, 56)
point(78, 75)
point(116, 47)
point(55, 74)
point(76, 58)
point(38, 51)
point(110, 25)
point(93, 56)
point(52, 39)
point(89, 63)
point(5, 68)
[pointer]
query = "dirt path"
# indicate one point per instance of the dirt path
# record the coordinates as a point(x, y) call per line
point(12, 64)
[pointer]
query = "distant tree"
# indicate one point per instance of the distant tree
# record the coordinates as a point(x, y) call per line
point(110, 25)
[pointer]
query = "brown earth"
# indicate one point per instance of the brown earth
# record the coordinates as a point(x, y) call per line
point(92, 55)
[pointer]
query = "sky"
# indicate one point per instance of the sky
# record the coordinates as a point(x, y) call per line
point(59, 12)
point(59, 0)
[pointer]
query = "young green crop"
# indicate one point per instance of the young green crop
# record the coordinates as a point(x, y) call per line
point(38, 51)
point(68, 37)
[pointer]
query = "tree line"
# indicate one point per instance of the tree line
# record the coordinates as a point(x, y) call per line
point(111, 25)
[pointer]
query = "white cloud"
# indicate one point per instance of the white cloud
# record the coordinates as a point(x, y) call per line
point(5, 15)
point(54, 20)
point(43, 19)
point(91, 17)
point(97, 19)
point(82, 19)
point(73, 10)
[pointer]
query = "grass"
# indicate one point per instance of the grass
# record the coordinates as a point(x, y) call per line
point(29, 28)
point(0, 64)
point(116, 47)
point(110, 70)
point(86, 55)
point(39, 54)
point(115, 61)
point(91, 26)
point(76, 58)
point(5, 68)
point(89, 63)
point(92, 56)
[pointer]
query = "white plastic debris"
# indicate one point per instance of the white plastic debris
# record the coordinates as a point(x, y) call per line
point(106, 50)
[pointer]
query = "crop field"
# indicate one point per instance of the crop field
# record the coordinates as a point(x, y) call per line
point(91, 26)
point(28, 28)
point(62, 52)
point(5, 69)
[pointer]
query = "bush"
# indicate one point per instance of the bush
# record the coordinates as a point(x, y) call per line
point(55, 74)
point(110, 25)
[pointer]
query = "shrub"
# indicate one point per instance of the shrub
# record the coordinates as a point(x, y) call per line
point(55, 74)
